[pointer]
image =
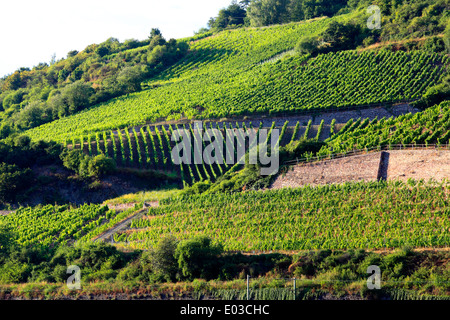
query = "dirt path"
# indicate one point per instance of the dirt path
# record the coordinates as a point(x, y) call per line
point(107, 235)
point(340, 116)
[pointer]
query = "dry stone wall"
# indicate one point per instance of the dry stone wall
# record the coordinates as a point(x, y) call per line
point(396, 164)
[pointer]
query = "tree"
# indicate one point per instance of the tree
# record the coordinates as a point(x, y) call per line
point(12, 181)
point(197, 258)
point(5, 130)
point(72, 53)
point(31, 116)
point(154, 32)
point(41, 65)
point(318, 8)
point(295, 10)
point(53, 59)
point(201, 30)
point(341, 36)
point(102, 51)
point(13, 82)
point(267, 12)
point(129, 79)
point(72, 98)
point(156, 56)
point(308, 45)
point(234, 14)
point(155, 41)
point(162, 258)
point(211, 23)
point(83, 169)
point(15, 97)
point(101, 165)
point(131, 43)
point(77, 95)
point(72, 158)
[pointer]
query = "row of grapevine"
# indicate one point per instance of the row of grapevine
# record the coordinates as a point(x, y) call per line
point(151, 148)
point(360, 215)
point(431, 126)
point(223, 76)
point(49, 225)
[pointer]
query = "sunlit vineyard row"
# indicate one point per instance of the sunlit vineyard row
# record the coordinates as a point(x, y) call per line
point(369, 215)
point(222, 56)
point(431, 126)
point(49, 225)
point(223, 76)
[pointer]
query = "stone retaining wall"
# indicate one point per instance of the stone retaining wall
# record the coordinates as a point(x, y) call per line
point(396, 164)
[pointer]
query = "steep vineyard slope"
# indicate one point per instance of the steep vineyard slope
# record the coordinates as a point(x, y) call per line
point(427, 127)
point(357, 215)
point(431, 126)
point(229, 75)
point(50, 225)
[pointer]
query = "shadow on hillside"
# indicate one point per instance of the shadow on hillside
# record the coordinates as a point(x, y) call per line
point(384, 166)
point(56, 185)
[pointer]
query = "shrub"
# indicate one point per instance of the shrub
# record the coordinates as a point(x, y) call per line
point(101, 165)
point(162, 258)
point(308, 46)
point(71, 159)
point(197, 258)
point(13, 180)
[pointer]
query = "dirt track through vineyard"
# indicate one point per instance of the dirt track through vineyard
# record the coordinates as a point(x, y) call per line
point(107, 235)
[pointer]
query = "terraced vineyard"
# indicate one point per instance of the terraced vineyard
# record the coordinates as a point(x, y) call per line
point(57, 225)
point(231, 74)
point(430, 126)
point(54, 224)
point(150, 147)
point(357, 215)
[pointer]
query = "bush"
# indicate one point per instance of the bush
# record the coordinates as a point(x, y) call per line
point(197, 258)
point(101, 165)
point(308, 46)
point(434, 95)
point(13, 272)
point(434, 45)
point(198, 188)
point(87, 166)
point(295, 149)
point(72, 158)
point(340, 36)
point(6, 239)
point(129, 79)
point(162, 258)
point(12, 181)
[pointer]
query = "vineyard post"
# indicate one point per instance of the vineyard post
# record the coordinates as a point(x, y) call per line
point(248, 290)
point(295, 287)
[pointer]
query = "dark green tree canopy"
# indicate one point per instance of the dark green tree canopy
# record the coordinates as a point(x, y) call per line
point(234, 14)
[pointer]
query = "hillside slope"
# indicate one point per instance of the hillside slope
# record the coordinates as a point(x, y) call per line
point(355, 215)
point(426, 127)
point(231, 74)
